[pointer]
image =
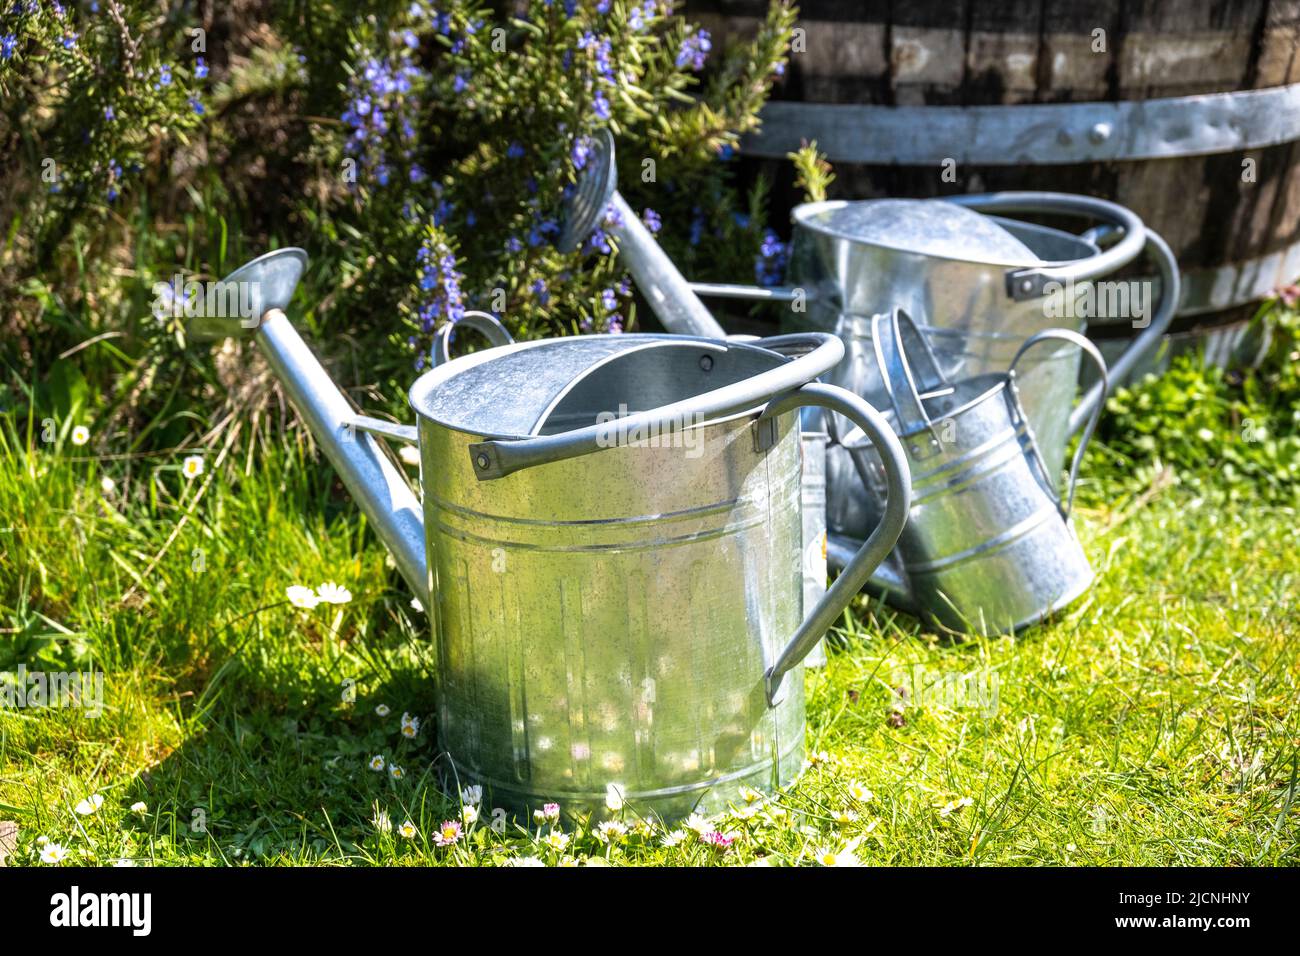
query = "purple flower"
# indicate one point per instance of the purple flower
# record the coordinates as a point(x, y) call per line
point(540, 290)
point(70, 41)
point(438, 275)
point(109, 113)
point(600, 104)
point(200, 69)
point(164, 76)
point(694, 50)
point(8, 43)
point(581, 152)
point(513, 244)
point(461, 83)
point(196, 106)
point(514, 151)
point(651, 219)
point(769, 264)
point(410, 39)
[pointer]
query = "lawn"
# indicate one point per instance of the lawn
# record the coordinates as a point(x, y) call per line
point(1155, 723)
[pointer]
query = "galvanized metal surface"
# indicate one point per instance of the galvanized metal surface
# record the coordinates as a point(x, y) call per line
point(1038, 133)
point(812, 505)
point(624, 618)
point(988, 547)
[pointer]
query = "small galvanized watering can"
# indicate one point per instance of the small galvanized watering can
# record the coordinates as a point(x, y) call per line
point(988, 547)
point(609, 549)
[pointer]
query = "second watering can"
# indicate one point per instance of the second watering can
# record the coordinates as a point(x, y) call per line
point(988, 547)
point(978, 282)
point(609, 547)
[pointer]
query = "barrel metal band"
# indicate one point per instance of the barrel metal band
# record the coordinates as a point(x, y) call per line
point(1034, 133)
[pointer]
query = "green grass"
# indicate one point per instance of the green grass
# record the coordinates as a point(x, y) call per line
point(1156, 723)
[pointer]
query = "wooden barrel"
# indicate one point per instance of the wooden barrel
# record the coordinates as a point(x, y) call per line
point(1186, 111)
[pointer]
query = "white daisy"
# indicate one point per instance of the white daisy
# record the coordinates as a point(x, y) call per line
point(610, 831)
point(473, 795)
point(53, 853)
point(407, 830)
point(955, 805)
point(410, 725)
point(107, 484)
point(556, 840)
point(377, 763)
point(192, 466)
point(860, 793)
point(332, 593)
point(614, 797)
point(140, 807)
point(382, 822)
point(699, 824)
point(382, 710)
point(409, 454)
point(300, 596)
point(416, 605)
point(90, 805)
point(396, 772)
point(469, 814)
point(673, 839)
point(80, 435)
point(523, 861)
point(828, 857)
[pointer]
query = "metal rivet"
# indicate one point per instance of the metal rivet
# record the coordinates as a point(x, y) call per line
point(1064, 138)
point(1027, 285)
point(1100, 132)
point(481, 461)
point(706, 363)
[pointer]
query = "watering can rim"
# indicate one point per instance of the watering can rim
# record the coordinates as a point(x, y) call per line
point(997, 382)
point(422, 390)
point(802, 215)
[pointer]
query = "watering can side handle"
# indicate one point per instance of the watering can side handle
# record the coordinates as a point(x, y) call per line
point(496, 458)
point(483, 322)
point(1149, 338)
point(879, 544)
point(1031, 283)
point(1090, 350)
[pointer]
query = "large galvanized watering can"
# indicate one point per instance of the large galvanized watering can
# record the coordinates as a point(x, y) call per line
point(978, 284)
point(608, 543)
point(988, 547)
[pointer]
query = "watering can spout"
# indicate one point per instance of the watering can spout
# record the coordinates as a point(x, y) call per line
point(370, 474)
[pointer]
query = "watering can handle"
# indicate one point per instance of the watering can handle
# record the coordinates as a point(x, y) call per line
point(906, 380)
point(1074, 338)
point(478, 321)
point(1031, 283)
point(1149, 338)
point(816, 352)
point(875, 549)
